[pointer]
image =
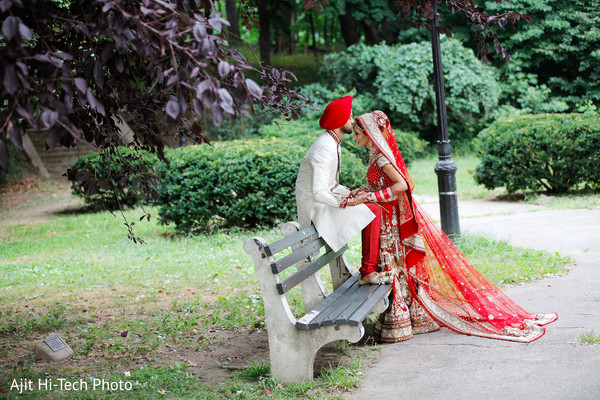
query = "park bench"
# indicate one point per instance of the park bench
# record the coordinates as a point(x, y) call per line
point(294, 343)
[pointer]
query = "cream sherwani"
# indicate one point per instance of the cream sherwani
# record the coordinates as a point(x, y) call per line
point(321, 199)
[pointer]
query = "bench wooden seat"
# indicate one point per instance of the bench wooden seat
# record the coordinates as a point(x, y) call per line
point(293, 343)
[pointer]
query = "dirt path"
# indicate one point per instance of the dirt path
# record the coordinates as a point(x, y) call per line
point(35, 199)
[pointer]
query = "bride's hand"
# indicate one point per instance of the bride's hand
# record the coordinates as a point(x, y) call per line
point(359, 199)
point(356, 192)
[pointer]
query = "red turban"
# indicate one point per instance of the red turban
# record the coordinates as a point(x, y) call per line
point(336, 113)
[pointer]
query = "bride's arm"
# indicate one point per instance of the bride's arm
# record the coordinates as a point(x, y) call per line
point(390, 193)
point(399, 185)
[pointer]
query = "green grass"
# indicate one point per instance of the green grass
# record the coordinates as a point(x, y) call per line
point(177, 382)
point(122, 304)
point(589, 338)
point(504, 264)
point(425, 179)
point(582, 200)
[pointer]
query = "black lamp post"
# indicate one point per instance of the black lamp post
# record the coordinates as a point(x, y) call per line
point(445, 167)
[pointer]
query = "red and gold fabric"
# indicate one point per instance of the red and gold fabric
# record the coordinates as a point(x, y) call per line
point(435, 284)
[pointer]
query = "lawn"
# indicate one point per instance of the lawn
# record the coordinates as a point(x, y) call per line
point(176, 317)
point(425, 179)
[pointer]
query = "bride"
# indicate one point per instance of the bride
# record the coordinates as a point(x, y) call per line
point(433, 283)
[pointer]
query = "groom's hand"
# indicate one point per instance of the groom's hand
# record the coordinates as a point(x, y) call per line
point(360, 198)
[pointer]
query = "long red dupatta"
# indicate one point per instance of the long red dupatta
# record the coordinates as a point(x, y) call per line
point(440, 277)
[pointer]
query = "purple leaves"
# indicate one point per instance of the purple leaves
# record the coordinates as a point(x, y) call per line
point(173, 109)
point(13, 25)
point(95, 103)
point(10, 27)
point(226, 101)
point(10, 80)
point(199, 31)
point(15, 134)
point(80, 84)
point(255, 90)
point(49, 118)
point(142, 60)
point(224, 68)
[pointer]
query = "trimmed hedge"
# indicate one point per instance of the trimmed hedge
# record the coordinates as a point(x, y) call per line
point(99, 178)
point(553, 152)
point(245, 182)
point(305, 131)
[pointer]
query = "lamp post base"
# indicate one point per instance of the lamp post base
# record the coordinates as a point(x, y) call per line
point(446, 172)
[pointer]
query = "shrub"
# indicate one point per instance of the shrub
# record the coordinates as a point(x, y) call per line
point(400, 77)
point(305, 131)
point(95, 176)
point(554, 152)
point(12, 172)
point(245, 182)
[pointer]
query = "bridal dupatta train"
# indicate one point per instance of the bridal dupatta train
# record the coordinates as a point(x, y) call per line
point(434, 282)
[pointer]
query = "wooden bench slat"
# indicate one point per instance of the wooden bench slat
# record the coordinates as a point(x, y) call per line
point(349, 307)
point(362, 295)
point(351, 303)
point(361, 313)
point(303, 323)
point(310, 269)
point(335, 308)
point(287, 241)
point(300, 254)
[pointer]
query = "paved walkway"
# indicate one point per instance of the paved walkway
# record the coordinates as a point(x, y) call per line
point(446, 365)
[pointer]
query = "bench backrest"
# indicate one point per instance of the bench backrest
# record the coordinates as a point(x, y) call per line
point(312, 244)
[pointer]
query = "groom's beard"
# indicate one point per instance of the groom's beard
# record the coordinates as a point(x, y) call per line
point(346, 130)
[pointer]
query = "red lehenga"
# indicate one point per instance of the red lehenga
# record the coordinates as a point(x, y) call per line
point(434, 283)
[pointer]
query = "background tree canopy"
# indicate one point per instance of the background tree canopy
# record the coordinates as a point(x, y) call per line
point(70, 70)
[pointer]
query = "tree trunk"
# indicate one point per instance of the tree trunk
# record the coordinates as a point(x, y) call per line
point(311, 19)
point(283, 31)
point(325, 31)
point(371, 34)
point(348, 28)
point(264, 35)
point(265, 14)
point(233, 18)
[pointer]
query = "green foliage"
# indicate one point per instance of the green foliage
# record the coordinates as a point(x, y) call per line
point(239, 128)
point(522, 94)
point(555, 152)
point(306, 130)
point(12, 172)
point(590, 337)
point(399, 79)
point(100, 178)
point(321, 94)
point(47, 322)
point(256, 371)
point(245, 182)
point(343, 378)
point(561, 46)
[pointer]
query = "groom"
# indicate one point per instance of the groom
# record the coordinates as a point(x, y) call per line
point(321, 199)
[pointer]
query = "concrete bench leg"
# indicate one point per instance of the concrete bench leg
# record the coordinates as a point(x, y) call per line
point(292, 350)
point(293, 353)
